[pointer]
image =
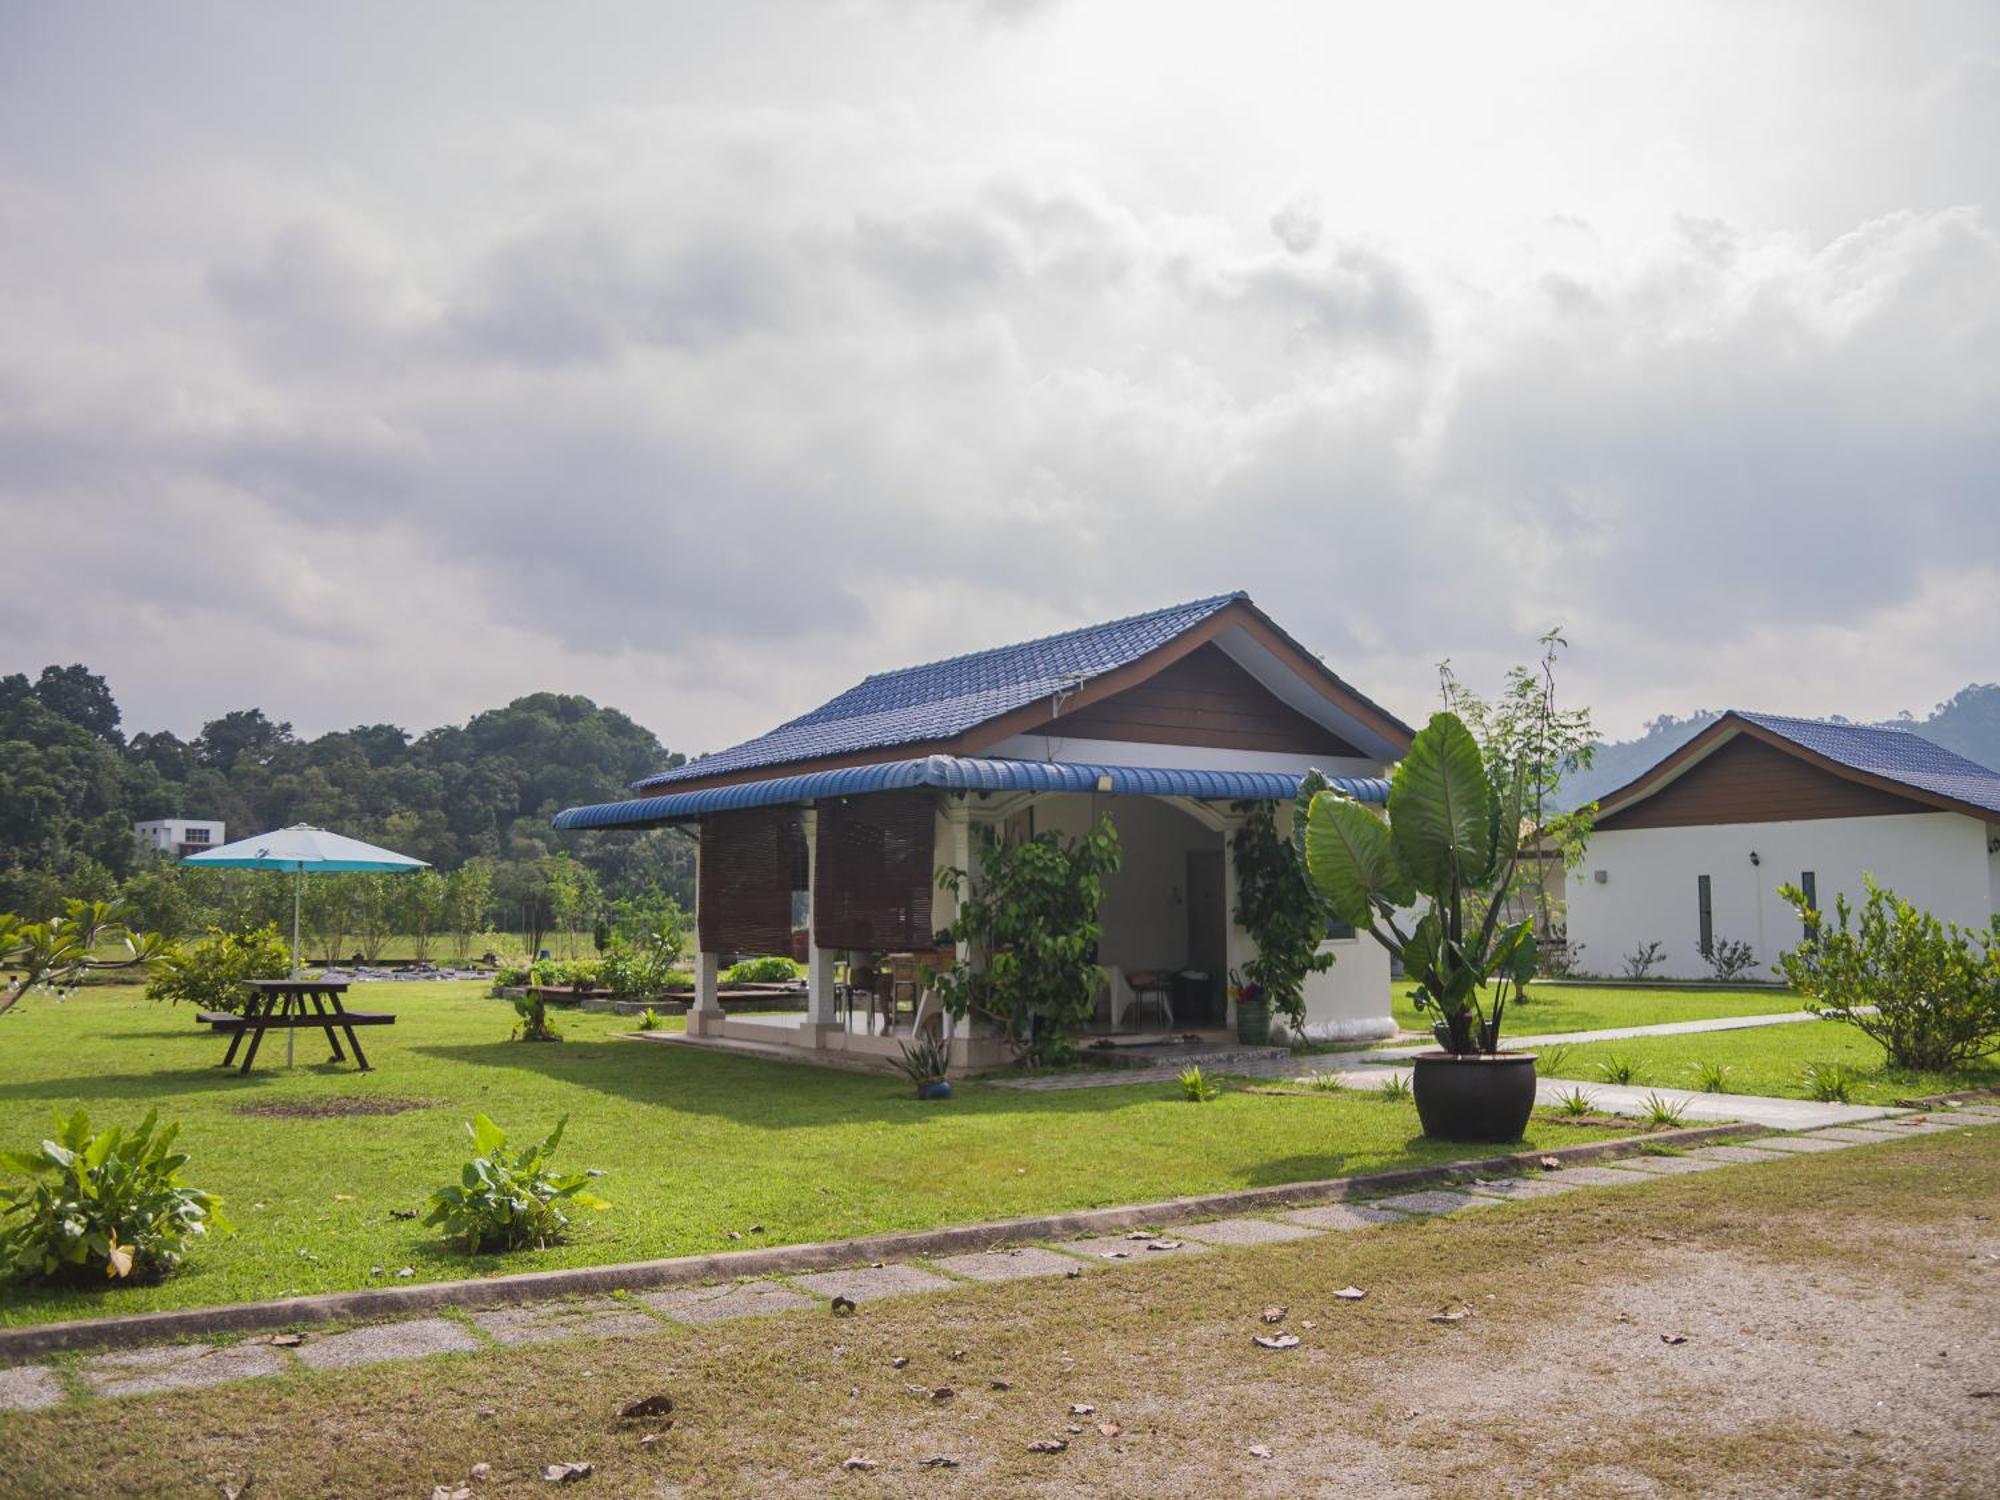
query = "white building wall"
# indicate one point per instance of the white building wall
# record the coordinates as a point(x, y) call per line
point(1937, 861)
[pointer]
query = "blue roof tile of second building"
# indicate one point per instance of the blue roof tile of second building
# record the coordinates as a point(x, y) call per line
point(1887, 751)
point(941, 699)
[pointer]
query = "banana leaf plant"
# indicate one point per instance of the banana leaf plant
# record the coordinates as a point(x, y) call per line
point(1429, 884)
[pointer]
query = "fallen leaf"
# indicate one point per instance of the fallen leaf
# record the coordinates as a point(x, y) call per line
point(649, 1439)
point(1117, 1254)
point(1082, 1409)
point(943, 1393)
point(1109, 1429)
point(1281, 1341)
point(406, 1273)
point(1073, 1273)
point(1139, 1234)
point(918, 1390)
point(937, 1463)
point(956, 1355)
point(1450, 1315)
point(1258, 1450)
point(482, 1471)
point(451, 1492)
point(1673, 1338)
point(288, 1340)
point(1307, 1323)
point(999, 1385)
point(1551, 1164)
point(901, 1361)
point(732, 1234)
point(859, 1465)
point(375, 1270)
point(1164, 1245)
point(485, 1411)
point(1275, 1314)
point(1048, 1445)
point(1350, 1294)
point(756, 1228)
point(648, 1406)
point(394, 1213)
point(1982, 1395)
point(843, 1307)
point(566, 1473)
point(343, 1197)
point(1072, 1429)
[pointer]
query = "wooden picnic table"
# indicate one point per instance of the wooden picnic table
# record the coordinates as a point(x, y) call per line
point(287, 1005)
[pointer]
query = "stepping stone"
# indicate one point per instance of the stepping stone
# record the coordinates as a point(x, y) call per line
point(179, 1367)
point(1669, 1166)
point(871, 1283)
point(601, 1317)
point(1341, 1216)
point(1116, 1250)
point(1929, 1126)
point(1598, 1176)
point(1522, 1187)
point(1737, 1154)
point(1016, 1264)
point(1431, 1201)
point(1853, 1135)
point(1244, 1232)
point(1796, 1145)
point(714, 1304)
point(1988, 1112)
point(29, 1388)
point(367, 1346)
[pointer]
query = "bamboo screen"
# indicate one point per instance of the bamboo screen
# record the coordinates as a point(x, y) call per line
point(872, 876)
point(749, 862)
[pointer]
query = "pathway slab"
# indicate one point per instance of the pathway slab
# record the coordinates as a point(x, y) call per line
point(716, 1304)
point(1015, 1264)
point(1341, 1216)
point(1432, 1201)
point(1116, 1250)
point(1599, 1176)
point(1988, 1112)
point(1854, 1137)
point(1799, 1144)
point(1669, 1166)
point(1522, 1187)
point(367, 1346)
point(179, 1367)
point(539, 1322)
point(1245, 1232)
point(1738, 1154)
point(872, 1283)
point(1926, 1125)
point(29, 1388)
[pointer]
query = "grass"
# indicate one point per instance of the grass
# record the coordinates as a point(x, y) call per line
point(1559, 1008)
point(697, 1147)
point(1165, 1351)
point(1776, 1060)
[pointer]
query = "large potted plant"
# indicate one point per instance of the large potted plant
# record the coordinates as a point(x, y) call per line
point(1429, 885)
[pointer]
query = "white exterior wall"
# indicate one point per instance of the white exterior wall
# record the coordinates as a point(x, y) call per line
point(168, 834)
point(1937, 861)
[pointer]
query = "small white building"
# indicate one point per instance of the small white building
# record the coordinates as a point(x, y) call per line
point(176, 836)
point(1692, 852)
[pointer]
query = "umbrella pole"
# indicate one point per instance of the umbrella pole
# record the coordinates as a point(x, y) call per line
point(298, 893)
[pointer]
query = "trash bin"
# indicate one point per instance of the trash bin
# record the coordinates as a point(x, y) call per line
point(1195, 999)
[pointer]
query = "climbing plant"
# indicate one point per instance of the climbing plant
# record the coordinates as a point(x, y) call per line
point(1031, 921)
point(1278, 905)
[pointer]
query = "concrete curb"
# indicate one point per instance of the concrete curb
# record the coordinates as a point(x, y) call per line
point(382, 1303)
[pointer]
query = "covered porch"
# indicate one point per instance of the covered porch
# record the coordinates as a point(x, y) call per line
point(851, 857)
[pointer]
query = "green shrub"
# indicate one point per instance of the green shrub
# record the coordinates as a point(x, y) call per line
point(1549, 1060)
point(649, 1019)
point(513, 974)
point(1395, 1089)
point(1619, 1069)
point(1711, 1077)
point(506, 1200)
point(1934, 990)
point(1195, 1088)
point(1660, 1112)
point(1574, 1102)
point(773, 970)
point(209, 972)
point(926, 1062)
point(105, 1205)
point(641, 968)
point(1830, 1082)
point(534, 1026)
point(568, 973)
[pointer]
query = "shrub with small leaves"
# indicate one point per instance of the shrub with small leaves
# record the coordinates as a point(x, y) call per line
point(775, 969)
point(1395, 1088)
point(1830, 1082)
point(1660, 1112)
point(1195, 1088)
point(505, 1200)
point(1324, 1082)
point(1621, 1069)
point(105, 1205)
point(1711, 1077)
point(649, 1019)
point(1643, 959)
point(1730, 960)
point(1574, 1102)
point(210, 972)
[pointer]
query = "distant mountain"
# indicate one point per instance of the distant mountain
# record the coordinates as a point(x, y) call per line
point(1968, 725)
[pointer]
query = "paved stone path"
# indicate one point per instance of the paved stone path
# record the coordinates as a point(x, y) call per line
point(190, 1366)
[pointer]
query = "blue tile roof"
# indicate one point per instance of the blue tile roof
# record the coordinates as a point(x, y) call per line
point(1896, 754)
point(943, 699)
point(963, 774)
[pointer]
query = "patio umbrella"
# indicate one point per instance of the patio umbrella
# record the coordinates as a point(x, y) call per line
point(301, 848)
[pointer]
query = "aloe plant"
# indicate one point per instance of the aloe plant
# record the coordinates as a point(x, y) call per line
point(1429, 883)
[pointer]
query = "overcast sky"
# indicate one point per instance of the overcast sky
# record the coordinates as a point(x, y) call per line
point(375, 362)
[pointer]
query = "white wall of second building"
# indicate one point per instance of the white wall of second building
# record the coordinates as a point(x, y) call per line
point(1650, 890)
point(1145, 913)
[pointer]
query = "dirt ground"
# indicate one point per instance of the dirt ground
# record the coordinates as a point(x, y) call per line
point(1833, 1320)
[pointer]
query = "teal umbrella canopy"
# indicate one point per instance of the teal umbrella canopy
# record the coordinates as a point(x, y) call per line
point(305, 849)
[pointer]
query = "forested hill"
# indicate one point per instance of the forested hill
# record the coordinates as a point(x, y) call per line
point(72, 783)
point(1968, 725)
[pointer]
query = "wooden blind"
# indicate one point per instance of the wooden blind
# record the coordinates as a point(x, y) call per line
point(749, 861)
point(872, 873)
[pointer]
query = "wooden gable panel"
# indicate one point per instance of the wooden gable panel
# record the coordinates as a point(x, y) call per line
point(1204, 699)
point(1750, 781)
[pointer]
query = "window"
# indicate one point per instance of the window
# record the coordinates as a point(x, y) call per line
point(1707, 906)
point(1809, 886)
point(196, 836)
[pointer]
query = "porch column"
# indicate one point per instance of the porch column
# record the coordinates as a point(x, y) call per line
point(1237, 948)
point(704, 1017)
point(822, 1013)
point(958, 816)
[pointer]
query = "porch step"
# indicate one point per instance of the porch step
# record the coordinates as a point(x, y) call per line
point(769, 1051)
point(1175, 1056)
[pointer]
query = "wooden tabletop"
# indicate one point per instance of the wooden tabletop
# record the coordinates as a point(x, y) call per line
point(298, 986)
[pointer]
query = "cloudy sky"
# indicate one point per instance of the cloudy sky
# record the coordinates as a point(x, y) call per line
point(387, 361)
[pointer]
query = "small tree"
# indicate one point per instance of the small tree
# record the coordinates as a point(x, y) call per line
point(1927, 991)
point(377, 906)
point(468, 892)
point(420, 908)
point(56, 955)
point(1031, 919)
point(1645, 958)
point(1278, 905)
point(1730, 959)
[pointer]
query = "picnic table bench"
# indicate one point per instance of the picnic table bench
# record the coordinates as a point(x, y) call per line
point(287, 1005)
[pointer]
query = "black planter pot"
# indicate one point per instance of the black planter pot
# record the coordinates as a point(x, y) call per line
point(1474, 1097)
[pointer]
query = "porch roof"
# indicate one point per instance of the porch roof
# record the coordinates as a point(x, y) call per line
point(963, 774)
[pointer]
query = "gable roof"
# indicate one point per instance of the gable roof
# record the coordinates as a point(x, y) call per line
point(1888, 758)
point(940, 703)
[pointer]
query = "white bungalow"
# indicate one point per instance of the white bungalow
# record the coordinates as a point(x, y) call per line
point(1172, 722)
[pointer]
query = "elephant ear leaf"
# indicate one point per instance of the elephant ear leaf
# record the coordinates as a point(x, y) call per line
point(1441, 807)
point(1353, 861)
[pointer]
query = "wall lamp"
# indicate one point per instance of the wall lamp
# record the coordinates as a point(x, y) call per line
point(1754, 858)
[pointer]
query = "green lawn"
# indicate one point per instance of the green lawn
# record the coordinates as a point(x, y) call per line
point(1772, 1060)
point(694, 1145)
point(1578, 1008)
